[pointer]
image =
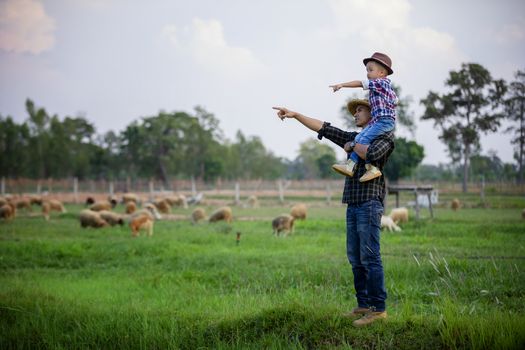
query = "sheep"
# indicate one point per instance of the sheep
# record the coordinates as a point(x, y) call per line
point(389, 224)
point(142, 221)
point(111, 217)
point(252, 202)
point(198, 215)
point(131, 207)
point(102, 205)
point(90, 218)
point(299, 211)
point(455, 204)
point(148, 209)
point(3, 201)
point(130, 197)
point(224, 213)
point(22, 203)
point(35, 200)
point(178, 200)
point(52, 205)
point(163, 206)
point(283, 222)
point(7, 211)
point(399, 215)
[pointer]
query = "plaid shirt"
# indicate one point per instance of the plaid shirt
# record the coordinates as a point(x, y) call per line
point(382, 99)
point(356, 192)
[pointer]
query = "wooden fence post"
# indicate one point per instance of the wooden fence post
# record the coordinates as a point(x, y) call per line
point(75, 189)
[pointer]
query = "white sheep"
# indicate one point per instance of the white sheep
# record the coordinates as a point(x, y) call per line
point(90, 218)
point(111, 217)
point(197, 215)
point(399, 215)
point(102, 205)
point(252, 202)
point(389, 224)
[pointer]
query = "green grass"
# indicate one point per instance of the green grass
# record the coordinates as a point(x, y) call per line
point(453, 282)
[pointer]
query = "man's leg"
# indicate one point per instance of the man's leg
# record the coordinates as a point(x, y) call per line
point(354, 257)
point(369, 228)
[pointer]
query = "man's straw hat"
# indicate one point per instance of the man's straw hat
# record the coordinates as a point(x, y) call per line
point(352, 105)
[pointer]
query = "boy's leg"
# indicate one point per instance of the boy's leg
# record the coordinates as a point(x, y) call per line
point(370, 134)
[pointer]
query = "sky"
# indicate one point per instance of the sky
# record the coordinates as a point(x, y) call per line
point(116, 61)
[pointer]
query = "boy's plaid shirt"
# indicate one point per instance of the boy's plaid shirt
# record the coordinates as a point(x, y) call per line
point(382, 99)
point(356, 192)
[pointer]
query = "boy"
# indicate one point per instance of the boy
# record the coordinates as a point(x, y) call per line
point(382, 100)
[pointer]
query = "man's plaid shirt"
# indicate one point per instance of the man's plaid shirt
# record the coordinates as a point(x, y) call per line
point(356, 192)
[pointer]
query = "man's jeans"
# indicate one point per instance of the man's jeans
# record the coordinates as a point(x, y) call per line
point(363, 227)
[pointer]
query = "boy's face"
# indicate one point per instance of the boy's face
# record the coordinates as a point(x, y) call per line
point(362, 116)
point(374, 70)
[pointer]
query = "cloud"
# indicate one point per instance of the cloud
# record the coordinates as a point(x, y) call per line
point(510, 33)
point(207, 45)
point(25, 27)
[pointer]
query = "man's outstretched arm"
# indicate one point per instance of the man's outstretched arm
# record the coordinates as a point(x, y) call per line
point(311, 123)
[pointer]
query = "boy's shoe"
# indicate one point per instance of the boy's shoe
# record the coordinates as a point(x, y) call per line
point(345, 169)
point(371, 173)
point(369, 318)
point(357, 312)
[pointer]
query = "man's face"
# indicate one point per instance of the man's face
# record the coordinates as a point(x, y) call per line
point(362, 116)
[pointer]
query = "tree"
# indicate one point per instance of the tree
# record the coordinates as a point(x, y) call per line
point(407, 155)
point(315, 157)
point(515, 111)
point(469, 109)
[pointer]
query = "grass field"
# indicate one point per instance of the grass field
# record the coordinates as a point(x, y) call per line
point(454, 282)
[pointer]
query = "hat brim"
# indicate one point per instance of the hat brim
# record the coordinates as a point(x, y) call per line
point(388, 69)
point(352, 105)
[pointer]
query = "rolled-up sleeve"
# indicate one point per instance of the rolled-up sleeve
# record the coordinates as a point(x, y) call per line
point(336, 135)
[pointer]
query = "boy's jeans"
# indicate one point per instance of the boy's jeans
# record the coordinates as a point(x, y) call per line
point(363, 227)
point(371, 132)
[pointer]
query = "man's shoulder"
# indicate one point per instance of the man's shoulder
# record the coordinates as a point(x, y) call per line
point(389, 136)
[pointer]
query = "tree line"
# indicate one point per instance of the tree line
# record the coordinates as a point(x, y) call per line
point(183, 145)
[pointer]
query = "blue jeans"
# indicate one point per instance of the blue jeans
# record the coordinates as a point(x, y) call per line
point(371, 132)
point(363, 227)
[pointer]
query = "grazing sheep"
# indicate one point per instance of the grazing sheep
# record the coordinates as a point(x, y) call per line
point(163, 206)
point(52, 205)
point(142, 221)
point(148, 209)
point(130, 197)
point(455, 204)
point(102, 205)
point(389, 224)
point(399, 215)
point(90, 218)
point(252, 202)
point(35, 200)
point(22, 203)
point(283, 223)
point(7, 211)
point(224, 214)
point(299, 211)
point(198, 215)
point(131, 207)
point(111, 217)
point(177, 201)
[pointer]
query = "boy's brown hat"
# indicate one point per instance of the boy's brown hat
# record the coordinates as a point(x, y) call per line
point(382, 59)
point(352, 105)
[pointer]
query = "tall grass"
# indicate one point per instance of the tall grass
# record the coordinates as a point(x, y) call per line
point(454, 282)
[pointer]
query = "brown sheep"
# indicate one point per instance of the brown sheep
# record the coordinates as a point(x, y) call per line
point(52, 205)
point(8, 211)
point(163, 206)
point(3, 201)
point(90, 218)
point(131, 207)
point(142, 221)
point(111, 217)
point(178, 201)
point(455, 204)
point(224, 213)
point(283, 223)
point(35, 200)
point(102, 205)
point(399, 215)
point(299, 211)
point(22, 203)
point(198, 215)
point(130, 197)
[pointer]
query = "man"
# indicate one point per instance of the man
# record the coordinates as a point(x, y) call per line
point(364, 210)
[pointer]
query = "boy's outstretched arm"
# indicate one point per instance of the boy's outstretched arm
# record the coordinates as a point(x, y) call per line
point(350, 84)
